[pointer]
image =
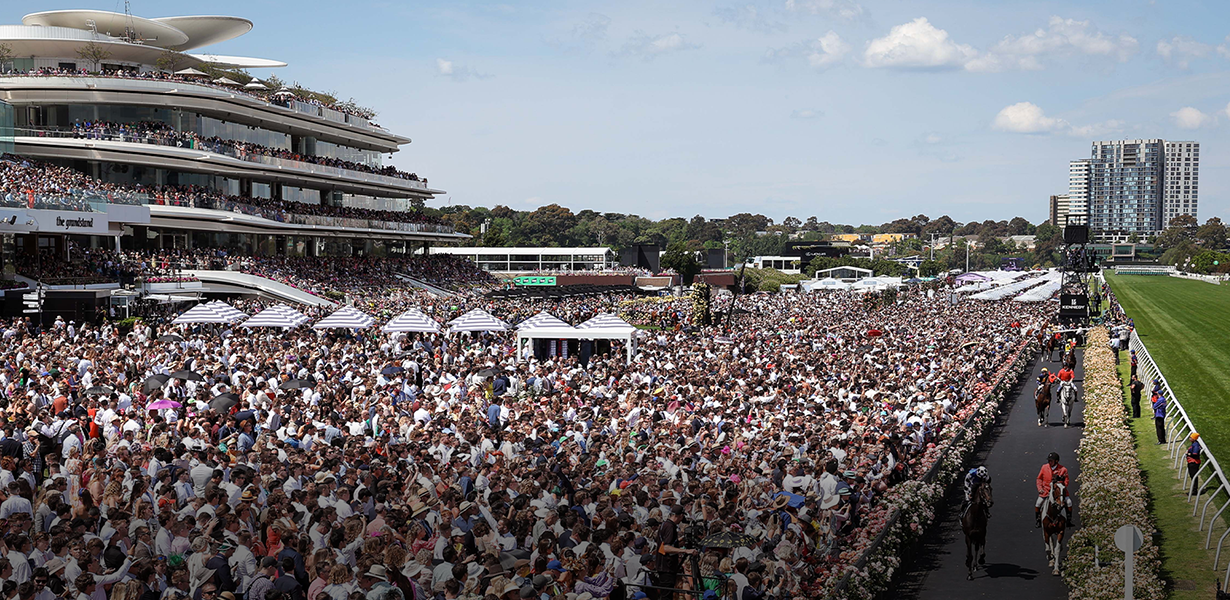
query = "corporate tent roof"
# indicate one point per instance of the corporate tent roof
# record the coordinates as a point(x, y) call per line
point(202, 313)
point(605, 326)
point(607, 323)
point(346, 317)
point(542, 319)
point(476, 320)
point(278, 316)
point(413, 320)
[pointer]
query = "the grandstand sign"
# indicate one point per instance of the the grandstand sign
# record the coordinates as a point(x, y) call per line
point(64, 221)
point(532, 280)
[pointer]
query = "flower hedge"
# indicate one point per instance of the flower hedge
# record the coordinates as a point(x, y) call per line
point(909, 508)
point(1112, 491)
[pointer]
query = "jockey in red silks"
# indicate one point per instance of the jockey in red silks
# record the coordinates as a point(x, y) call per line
point(1066, 374)
point(1052, 471)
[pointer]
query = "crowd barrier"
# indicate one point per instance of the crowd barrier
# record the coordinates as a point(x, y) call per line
point(1213, 279)
point(1178, 427)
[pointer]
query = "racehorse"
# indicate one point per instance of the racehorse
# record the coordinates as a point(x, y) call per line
point(1049, 347)
point(1069, 360)
point(974, 524)
point(1053, 525)
point(1042, 400)
point(1067, 397)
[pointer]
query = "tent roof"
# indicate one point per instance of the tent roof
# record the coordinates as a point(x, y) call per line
point(278, 316)
point(413, 320)
point(573, 333)
point(607, 322)
point(542, 319)
point(476, 320)
point(346, 317)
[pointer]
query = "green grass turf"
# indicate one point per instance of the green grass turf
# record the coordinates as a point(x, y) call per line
point(1186, 326)
point(1186, 565)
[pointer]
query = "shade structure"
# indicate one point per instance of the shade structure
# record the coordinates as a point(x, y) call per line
point(202, 313)
point(607, 322)
point(412, 321)
point(190, 72)
point(476, 320)
point(255, 85)
point(542, 319)
point(277, 316)
point(346, 317)
point(225, 81)
point(230, 311)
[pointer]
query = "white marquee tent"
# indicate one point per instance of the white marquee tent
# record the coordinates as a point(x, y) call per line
point(542, 319)
point(346, 317)
point(605, 326)
point(278, 316)
point(412, 321)
point(202, 313)
point(476, 320)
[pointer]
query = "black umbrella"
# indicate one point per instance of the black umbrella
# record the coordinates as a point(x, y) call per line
point(98, 390)
point(391, 370)
point(729, 539)
point(187, 375)
point(488, 372)
point(171, 337)
point(223, 402)
point(154, 382)
point(295, 384)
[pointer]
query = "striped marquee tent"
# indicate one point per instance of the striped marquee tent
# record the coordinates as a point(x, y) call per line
point(202, 313)
point(230, 311)
point(346, 317)
point(542, 319)
point(476, 320)
point(278, 316)
point(607, 323)
point(412, 321)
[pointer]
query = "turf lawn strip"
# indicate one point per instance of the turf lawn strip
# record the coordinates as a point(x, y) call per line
point(1186, 566)
point(1186, 326)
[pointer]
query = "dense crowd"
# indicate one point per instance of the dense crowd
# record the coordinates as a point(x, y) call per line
point(160, 133)
point(358, 276)
point(279, 97)
point(28, 183)
point(286, 465)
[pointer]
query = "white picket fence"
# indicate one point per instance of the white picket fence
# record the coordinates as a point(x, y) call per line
point(1211, 478)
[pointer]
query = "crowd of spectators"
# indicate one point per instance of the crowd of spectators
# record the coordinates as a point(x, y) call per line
point(280, 97)
point(344, 466)
point(27, 183)
point(162, 134)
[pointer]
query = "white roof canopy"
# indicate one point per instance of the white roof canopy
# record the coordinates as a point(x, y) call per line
point(346, 317)
point(476, 320)
point(413, 320)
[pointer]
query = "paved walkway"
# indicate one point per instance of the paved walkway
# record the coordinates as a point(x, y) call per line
point(1016, 562)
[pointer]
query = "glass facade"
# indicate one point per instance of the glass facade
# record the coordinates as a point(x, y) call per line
point(370, 158)
point(6, 127)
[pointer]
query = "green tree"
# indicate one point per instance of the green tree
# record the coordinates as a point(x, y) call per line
point(6, 55)
point(95, 53)
point(1047, 232)
point(681, 260)
point(929, 268)
point(1212, 234)
point(549, 225)
point(169, 60)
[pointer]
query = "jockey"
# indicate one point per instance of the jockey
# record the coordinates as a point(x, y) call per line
point(1052, 471)
point(973, 478)
point(1045, 377)
point(1066, 374)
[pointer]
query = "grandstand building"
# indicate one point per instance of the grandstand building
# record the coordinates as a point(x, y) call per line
point(178, 149)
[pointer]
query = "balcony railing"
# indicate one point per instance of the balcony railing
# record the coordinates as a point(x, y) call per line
point(157, 139)
point(165, 85)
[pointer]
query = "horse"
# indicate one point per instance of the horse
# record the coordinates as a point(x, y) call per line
point(1042, 401)
point(1049, 347)
point(1069, 360)
point(1067, 397)
point(974, 524)
point(1054, 523)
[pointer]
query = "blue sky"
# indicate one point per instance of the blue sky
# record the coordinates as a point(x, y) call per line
point(850, 110)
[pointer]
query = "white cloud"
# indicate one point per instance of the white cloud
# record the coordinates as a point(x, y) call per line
point(1181, 50)
point(457, 72)
point(917, 45)
point(1223, 49)
point(807, 113)
point(583, 36)
point(1190, 118)
point(1061, 38)
point(846, 9)
point(1226, 110)
point(750, 18)
point(649, 47)
point(827, 51)
point(821, 53)
point(1026, 117)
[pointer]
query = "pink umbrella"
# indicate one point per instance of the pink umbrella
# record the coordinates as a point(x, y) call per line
point(161, 404)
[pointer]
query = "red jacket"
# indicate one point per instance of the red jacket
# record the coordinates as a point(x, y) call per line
point(1046, 475)
point(1066, 374)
